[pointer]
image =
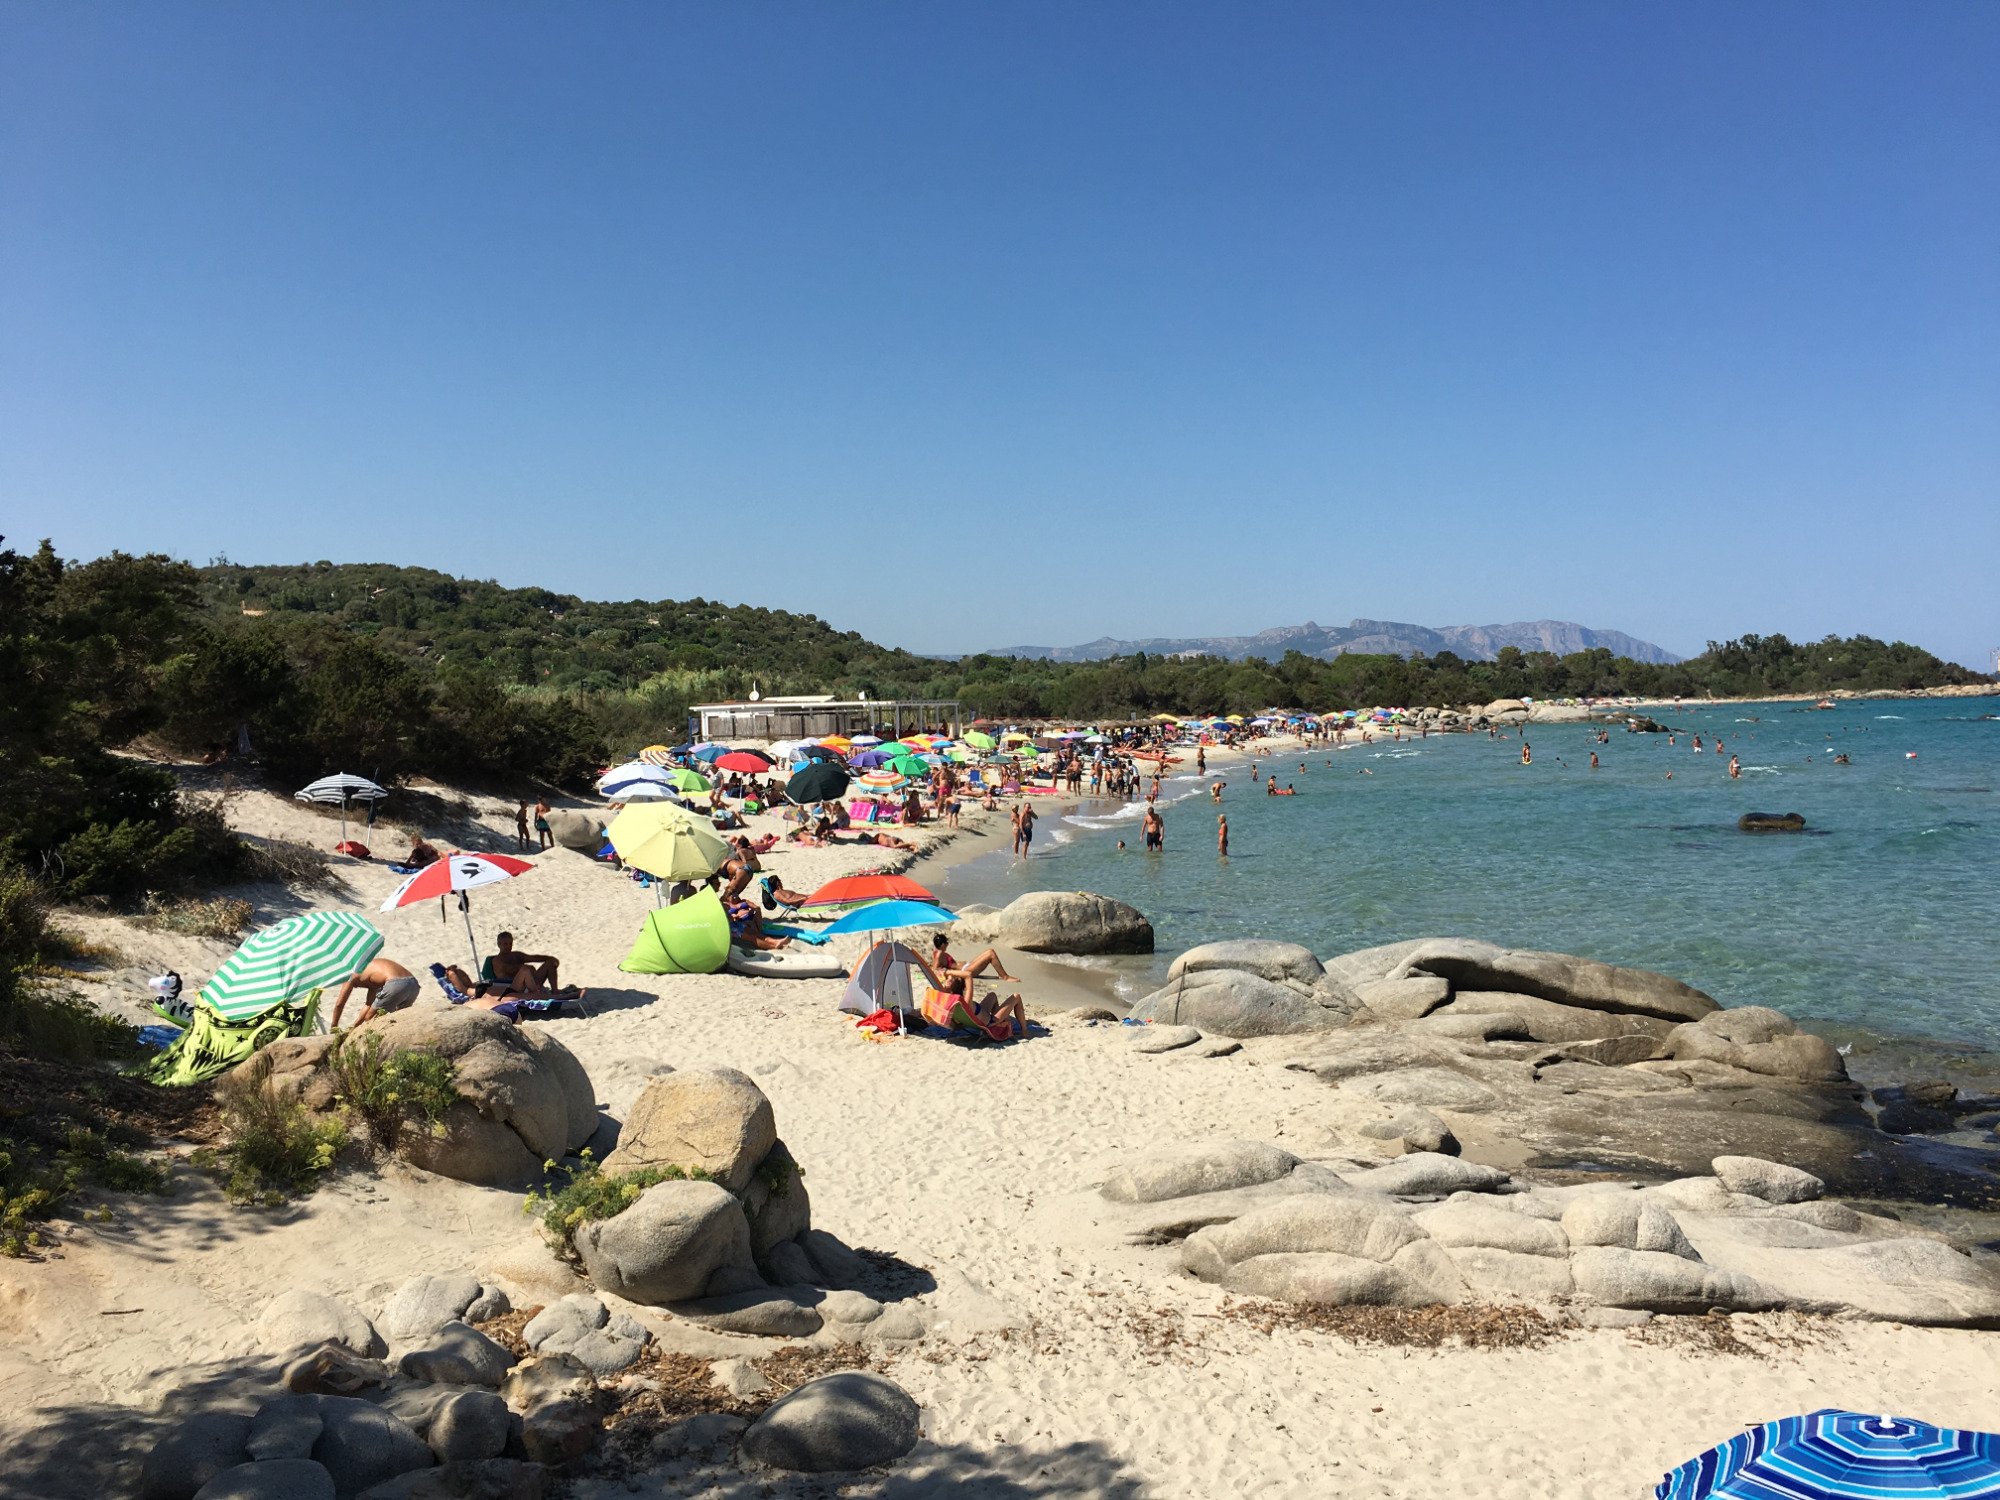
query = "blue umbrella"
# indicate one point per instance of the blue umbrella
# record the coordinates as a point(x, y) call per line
point(1842, 1455)
point(868, 760)
point(883, 915)
point(709, 753)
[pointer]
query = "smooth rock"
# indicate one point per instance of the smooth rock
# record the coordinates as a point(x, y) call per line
point(782, 1313)
point(482, 1479)
point(555, 1432)
point(1207, 1168)
point(1418, 1129)
point(835, 1424)
point(838, 1266)
point(1659, 1282)
point(1163, 1038)
point(1267, 960)
point(489, 1304)
point(1483, 1224)
point(335, 1370)
point(1553, 1021)
point(667, 1244)
point(569, 1317)
point(362, 1445)
point(470, 1425)
point(198, 1448)
point(1357, 1226)
point(284, 1427)
point(273, 1479)
point(547, 1378)
point(1614, 1051)
point(714, 1119)
point(776, 1201)
point(900, 1323)
point(1425, 1174)
point(1561, 977)
point(424, 1304)
point(305, 1320)
point(1070, 922)
point(739, 1377)
point(459, 1354)
point(1433, 1088)
point(1627, 1222)
point(1421, 1274)
point(603, 1352)
point(707, 1432)
point(1404, 999)
point(849, 1307)
point(789, 1265)
point(1772, 1181)
point(1758, 1040)
point(1236, 1003)
point(1759, 822)
point(1506, 1276)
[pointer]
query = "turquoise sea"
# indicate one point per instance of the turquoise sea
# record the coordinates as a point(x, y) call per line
point(1882, 922)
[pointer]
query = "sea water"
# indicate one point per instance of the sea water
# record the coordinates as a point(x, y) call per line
point(1882, 919)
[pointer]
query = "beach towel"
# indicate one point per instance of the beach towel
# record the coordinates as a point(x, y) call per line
point(211, 1045)
point(954, 1013)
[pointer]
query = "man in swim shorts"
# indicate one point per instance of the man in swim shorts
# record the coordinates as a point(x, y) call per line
point(388, 986)
point(1155, 829)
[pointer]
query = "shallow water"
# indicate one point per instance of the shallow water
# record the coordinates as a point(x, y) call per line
point(1883, 919)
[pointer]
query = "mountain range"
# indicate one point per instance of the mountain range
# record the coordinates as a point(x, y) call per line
point(1380, 637)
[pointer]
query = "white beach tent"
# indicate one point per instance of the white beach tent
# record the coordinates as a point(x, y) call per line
point(881, 980)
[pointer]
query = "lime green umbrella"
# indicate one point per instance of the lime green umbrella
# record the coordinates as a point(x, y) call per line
point(313, 951)
point(895, 748)
point(665, 843)
point(912, 766)
point(978, 741)
point(684, 780)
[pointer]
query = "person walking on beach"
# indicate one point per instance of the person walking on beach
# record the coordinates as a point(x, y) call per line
point(1201, 760)
point(521, 824)
point(1222, 834)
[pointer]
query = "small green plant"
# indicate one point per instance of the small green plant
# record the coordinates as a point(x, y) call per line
point(36, 1186)
point(276, 1148)
point(592, 1193)
point(390, 1091)
point(222, 917)
point(778, 1172)
point(43, 1024)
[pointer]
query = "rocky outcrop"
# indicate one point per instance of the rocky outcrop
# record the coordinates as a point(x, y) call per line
point(1250, 989)
point(668, 1244)
point(714, 1120)
point(524, 1099)
point(1757, 1040)
point(1562, 978)
point(1273, 961)
point(854, 1419)
point(1757, 822)
point(1069, 922)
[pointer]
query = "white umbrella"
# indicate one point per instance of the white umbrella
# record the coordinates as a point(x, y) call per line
point(639, 791)
point(339, 790)
point(633, 771)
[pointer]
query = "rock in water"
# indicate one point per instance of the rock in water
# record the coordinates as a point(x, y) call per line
point(1758, 1040)
point(665, 1246)
point(1273, 961)
point(1561, 977)
point(714, 1119)
point(1757, 822)
point(1070, 922)
point(835, 1424)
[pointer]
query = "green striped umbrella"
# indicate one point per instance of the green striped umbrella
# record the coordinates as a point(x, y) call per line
point(313, 951)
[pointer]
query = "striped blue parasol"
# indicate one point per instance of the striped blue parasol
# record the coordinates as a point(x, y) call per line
point(1842, 1455)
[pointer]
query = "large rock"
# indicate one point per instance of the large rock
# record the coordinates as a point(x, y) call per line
point(776, 1201)
point(1758, 1040)
point(1267, 960)
point(1506, 711)
point(1904, 1279)
point(1561, 977)
point(362, 1445)
point(715, 1120)
point(1551, 1020)
point(1071, 922)
point(1625, 1221)
point(1485, 1224)
point(469, 1425)
point(1772, 1181)
point(835, 1424)
point(478, 1479)
point(426, 1302)
point(305, 1320)
point(523, 1097)
point(1151, 1040)
point(1207, 1168)
point(1655, 1281)
point(197, 1449)
point(1237, 1003)
point(665, 1246)
point(776, 1312)
point(458, 1354)
point(1428, 1174)
point(279, 1479)
point(285, 1427)
point(1403, 999)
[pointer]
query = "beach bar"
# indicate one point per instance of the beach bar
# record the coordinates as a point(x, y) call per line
point(815, 717)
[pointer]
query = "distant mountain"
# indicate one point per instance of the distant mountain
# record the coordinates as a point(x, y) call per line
point(1376, 637)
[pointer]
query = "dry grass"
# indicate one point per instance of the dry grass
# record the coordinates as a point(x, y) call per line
point(221, 917)
point(1407, 1327)
point(1718, 1334)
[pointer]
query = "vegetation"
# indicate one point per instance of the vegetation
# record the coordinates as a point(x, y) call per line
point(221, 917)
point(589, 1192)
point(391, 1091)
point(274, 1149)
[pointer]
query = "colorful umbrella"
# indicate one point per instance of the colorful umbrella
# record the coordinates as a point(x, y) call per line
point(632, 773)
point(709, 752)
point(852, 890)
point(751, 762)
point(656, 755)
point(818, 752)
point(882, 781)
point(665, 846)
point(882, 916)
point(838, 742)
point(455, 874)
point(684, 780)
point(820, 782)
point(863, 741)
point(1842, 1455)
point(313, 951)
point(893, 748)
point(979, 741)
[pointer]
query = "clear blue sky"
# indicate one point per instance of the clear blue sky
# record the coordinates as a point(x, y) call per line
point(969, 325)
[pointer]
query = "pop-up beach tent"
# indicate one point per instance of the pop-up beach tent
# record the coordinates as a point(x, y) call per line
point(689, 937)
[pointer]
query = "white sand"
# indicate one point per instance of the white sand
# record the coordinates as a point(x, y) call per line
point(972, 1163)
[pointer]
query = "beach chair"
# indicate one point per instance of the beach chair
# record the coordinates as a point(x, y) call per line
point(954, 1013)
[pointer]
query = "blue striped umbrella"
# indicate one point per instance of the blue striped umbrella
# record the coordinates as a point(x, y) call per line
point(1842, 1455)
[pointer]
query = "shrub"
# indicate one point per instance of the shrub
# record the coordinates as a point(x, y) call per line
point(24, 934)
point(302, 866)
point(592, 1193)
point(390, 1091)
point(223, 917)
point(34, 1187)
point(61, 1026)
point(276, 1148)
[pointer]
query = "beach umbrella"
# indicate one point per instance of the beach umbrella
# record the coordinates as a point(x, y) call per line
point(881, 781)
point(838, 742)
point(656, 755)
point(339, 790)
point(910, 765)
point(313, 951)
point(752, 762)
point(641, 791)
point(683, 780)
point(884, 916)
point(1842, 1455)
point(979, 741)
point(1096, 739)
point(633, 773)
point(666, 846)
point(852, 890)
point(709, 752)
point(867, 760)
point(821, 782)
point(893, 748)
point(818, 752)
point(863, 741)
point(455, 874)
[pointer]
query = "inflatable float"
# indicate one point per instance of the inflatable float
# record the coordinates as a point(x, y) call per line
point(689, 937)
point(782, 964)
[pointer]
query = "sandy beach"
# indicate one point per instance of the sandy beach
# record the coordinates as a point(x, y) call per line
point(1058, 1362)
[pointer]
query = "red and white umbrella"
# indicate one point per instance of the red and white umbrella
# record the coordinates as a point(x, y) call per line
point(455, 874)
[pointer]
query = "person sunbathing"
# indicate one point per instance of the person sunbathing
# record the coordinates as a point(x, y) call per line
point(522, 976)
point(887, 841)
point(746, 928)
point(477, 996)
point(957, 978)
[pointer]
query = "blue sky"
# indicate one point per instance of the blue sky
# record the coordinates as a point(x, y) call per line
point(972, 325)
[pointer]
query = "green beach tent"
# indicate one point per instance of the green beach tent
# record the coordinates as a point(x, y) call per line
point(689, 937)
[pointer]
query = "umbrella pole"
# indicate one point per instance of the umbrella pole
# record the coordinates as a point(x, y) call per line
point(472, 942)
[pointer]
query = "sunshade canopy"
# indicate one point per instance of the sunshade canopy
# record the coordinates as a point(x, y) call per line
point(312, 951)
point(978, 740)
point(858, 890)
point(689, 937)
point(684, 780)
point(817, 783)
point(666, 843)
point(455, 872)
point(884, 916)
point(910, 765)
point(1837, 1455)
point(751, 762)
